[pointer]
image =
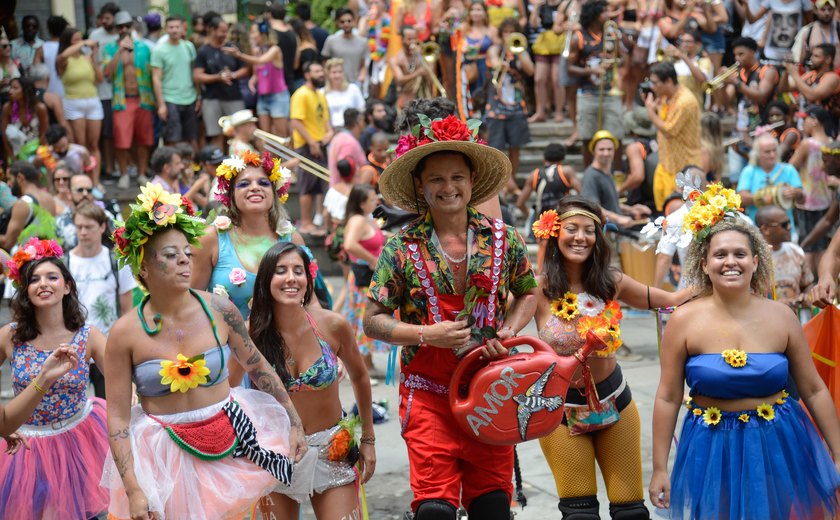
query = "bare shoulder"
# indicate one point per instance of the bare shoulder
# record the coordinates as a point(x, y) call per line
point(6, 337)
point(210, 238)
point(124, 333)
point(691, 310)
point(330, 322)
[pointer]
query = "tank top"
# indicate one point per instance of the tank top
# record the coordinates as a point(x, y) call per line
point(79, 78)
point(710, 375)
point(270, 79)
point(67, 396)
point(50, 53)
point(372, 245)
point(591, 54)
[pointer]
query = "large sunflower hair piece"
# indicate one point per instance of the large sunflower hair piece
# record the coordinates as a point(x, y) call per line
point(154, 209)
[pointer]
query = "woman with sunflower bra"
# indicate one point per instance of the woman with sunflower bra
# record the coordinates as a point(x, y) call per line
point(746, 450)
point(252, 189)
point(194, 447)
point(580, 291)
point(57, 473)
point(303, 345)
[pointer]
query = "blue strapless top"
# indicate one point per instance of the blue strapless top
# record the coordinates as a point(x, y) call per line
point(147, 374)
point(710, 375)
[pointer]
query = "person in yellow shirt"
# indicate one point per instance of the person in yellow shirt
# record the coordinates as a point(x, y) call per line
point(675, 113)
point(311, 133)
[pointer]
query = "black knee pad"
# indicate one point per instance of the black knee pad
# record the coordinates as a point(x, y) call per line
point(629, 511)
point(579, 508)
point(435, 509)
point(494, 505)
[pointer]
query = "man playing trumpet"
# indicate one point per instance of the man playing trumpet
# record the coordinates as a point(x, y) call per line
point(507, 123)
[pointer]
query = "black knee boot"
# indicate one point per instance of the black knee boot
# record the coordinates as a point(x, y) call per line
point(629, 511)
point(494, 505)
point(579, 508)
point(435, 509)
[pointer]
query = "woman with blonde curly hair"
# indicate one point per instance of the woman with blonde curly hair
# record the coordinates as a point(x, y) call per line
point(746, 450)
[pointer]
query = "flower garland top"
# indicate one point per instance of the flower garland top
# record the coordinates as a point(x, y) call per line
point(379, 34)
point(34, 249)
point(705, 209)
point(236, 163)
point(601, 317)
point(155, 208)
point(447, 129)
point(548, 225)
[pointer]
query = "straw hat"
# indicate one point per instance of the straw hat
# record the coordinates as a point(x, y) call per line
point(491, 166)
point(638, 122)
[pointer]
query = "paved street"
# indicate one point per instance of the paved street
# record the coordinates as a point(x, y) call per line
point(389, 493)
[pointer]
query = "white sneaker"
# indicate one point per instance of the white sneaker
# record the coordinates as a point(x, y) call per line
point(123, 183)
point(318, 220)
point(142, 180)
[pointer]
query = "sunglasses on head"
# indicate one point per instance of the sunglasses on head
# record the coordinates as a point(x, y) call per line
point(262, 183)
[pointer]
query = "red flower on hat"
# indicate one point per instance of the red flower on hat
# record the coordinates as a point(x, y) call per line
point(451, 129)
point(188, 206)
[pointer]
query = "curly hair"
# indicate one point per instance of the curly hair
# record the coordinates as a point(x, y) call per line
point(599, 276)
point(262, 329)
point(23, 312)
point(699, 250)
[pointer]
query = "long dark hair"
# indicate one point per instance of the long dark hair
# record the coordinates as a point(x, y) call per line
point(23, 312)
point(598, 276)
point(29, 99)
point(263, 332)
point(358, 195)
point(65, 38)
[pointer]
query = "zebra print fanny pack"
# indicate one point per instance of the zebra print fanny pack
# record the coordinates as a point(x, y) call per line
point(228, 432)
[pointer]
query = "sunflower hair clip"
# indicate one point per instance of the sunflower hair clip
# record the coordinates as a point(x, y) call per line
point(279, 175)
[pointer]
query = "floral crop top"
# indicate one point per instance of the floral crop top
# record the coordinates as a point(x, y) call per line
point(573, 315)
point(67, 396)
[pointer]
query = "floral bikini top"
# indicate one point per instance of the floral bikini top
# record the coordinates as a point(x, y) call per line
point(68, 395)
point(573, 315)
point(322, 373)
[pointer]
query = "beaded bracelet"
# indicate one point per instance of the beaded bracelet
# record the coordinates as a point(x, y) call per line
point(368, 440)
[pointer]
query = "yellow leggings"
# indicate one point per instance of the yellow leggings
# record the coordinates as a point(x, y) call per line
point(618, 451)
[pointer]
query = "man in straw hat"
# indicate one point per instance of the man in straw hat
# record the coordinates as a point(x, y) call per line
point(450, 264)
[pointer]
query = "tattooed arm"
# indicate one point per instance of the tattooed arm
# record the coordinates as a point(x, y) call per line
point(118, 388)
point(259, 371)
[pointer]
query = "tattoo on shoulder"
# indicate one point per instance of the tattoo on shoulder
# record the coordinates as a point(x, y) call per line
point(234, 321)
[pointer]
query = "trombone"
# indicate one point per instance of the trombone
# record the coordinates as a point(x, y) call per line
point(430, 52)
point(516, 43)
point(739, 138)
point(277, 145)
point(720, 80)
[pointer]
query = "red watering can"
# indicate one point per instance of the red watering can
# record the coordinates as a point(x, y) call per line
point(516, 398)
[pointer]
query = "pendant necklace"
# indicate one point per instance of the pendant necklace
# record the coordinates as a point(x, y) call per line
point(455, 263)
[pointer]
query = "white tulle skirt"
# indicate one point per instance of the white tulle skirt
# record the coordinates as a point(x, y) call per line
point(180, 486)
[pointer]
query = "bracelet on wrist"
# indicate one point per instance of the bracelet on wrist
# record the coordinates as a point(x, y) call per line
point(368, 439)
point(420, 333)
point(38, 388)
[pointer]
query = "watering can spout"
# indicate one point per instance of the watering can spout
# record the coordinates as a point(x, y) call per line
point(593, 343)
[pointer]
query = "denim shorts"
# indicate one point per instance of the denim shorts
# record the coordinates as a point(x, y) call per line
point(276, 105)
point(714, 43)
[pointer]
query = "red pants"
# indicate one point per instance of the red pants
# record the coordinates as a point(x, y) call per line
point(445, 463)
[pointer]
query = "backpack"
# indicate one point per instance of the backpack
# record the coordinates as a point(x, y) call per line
point(550, 185)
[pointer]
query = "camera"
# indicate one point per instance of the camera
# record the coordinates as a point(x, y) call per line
point(645, 88)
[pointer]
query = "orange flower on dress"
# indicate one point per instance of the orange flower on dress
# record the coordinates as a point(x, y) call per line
point(547, 226)
point(340, 446)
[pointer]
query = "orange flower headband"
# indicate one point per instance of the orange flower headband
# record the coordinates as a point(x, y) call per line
point(548, 225)
point(34, 249)
point(233, 165)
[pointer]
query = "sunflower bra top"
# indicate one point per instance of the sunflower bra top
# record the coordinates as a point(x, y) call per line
point(757, 375)
point(563, 336)
point(148, 379)
point(322, 373)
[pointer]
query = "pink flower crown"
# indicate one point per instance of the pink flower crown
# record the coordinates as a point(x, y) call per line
point(34, 249)
point(236, 163)
point(447, 129)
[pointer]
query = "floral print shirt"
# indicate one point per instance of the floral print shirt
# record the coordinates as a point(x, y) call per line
point(68, 395)
point(396, 285)
point(142, 69)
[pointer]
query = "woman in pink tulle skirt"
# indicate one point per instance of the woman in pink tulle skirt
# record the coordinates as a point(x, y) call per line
point(58, 476)
point(193, 448)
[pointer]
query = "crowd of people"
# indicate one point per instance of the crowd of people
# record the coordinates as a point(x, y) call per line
point(215, 346)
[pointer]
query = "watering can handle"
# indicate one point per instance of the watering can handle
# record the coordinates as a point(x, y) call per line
point(474, 357)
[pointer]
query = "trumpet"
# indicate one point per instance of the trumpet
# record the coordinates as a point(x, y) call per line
point(611, 35)
point(567, 43)
point(720, 80)
point(277, 145)
point(430, 52)
point(516, 43)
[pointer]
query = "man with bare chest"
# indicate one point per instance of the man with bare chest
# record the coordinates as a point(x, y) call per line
point(127, 63)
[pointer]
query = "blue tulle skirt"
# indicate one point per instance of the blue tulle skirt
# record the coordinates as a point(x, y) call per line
point(746, 467)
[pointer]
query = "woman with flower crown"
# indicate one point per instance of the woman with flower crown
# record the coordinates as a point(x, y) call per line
point(746, 450)
point(58, 475)
point(580, 291)
point(193, 447)
point(253, 189)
